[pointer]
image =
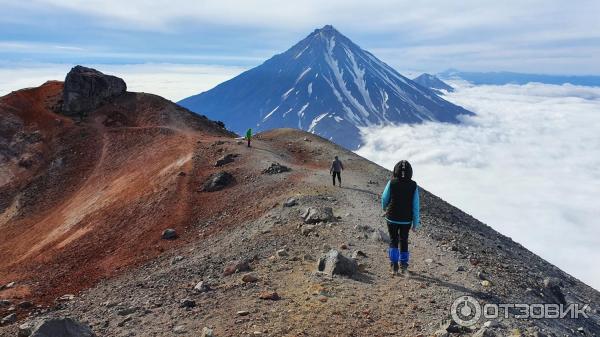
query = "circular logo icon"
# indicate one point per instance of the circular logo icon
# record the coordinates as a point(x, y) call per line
point(466, 310)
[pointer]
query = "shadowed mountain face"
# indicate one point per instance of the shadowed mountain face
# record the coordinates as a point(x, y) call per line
point(327, 85)
point(433, 83)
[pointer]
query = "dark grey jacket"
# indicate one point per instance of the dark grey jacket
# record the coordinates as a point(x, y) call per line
point(336, 166)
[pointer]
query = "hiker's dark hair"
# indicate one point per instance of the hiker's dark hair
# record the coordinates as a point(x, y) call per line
point(403, 170)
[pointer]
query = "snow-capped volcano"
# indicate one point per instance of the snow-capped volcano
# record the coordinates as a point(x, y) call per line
point(324, 84)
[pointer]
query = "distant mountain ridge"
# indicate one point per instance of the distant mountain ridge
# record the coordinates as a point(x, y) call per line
point(505, 77)
point(432, 82)
point(327, 85)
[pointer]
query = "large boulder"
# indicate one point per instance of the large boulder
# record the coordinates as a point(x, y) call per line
point(318, 214)
point(86, 89)
point(56, 327)
point(334, 263)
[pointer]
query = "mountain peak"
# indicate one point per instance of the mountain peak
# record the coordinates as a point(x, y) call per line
point(324, 84)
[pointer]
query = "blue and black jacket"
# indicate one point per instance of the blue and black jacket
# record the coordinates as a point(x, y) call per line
point(400, 198)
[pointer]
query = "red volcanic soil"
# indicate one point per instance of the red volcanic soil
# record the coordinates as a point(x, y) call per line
point(97, 194)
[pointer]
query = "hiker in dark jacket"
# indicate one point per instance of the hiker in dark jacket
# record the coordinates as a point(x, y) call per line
point(336, 170)
point(400, 200)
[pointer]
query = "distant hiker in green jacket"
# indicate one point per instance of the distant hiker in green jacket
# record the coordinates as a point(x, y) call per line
point(400, 200)
point(249, 136)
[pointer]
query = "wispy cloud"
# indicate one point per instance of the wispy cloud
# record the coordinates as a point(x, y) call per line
point(532, 35)
point(527, 165)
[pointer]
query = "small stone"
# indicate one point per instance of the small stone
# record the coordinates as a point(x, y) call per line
point(243, 313)
point(66, 298)
point(236, 267)
point(176, 259)
point(169, 234)
point(307, 229)
point(484, 332)
point(269, 295)
point(428, 261)
point(61, 327)
point(187, 303)
point(127, 311)
point(290, 202)
point(460, 268)
point(9, 285)
point(483, 276)
point(334, 263)
point(4, 303)
point(179, 329)
point(358, 253)
point(207, 332)
point(250, 278)
point(201, 287)
point(282, 253)
point(8, 319)
point(491, 324)
point(343, 246)
point(362, 267)
point(486, 283)
point(25, 305)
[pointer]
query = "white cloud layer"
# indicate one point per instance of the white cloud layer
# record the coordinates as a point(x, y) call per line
point(172, 81)
point(528, 165)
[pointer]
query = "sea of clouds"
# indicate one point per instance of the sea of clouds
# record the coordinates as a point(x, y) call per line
point(528, 164)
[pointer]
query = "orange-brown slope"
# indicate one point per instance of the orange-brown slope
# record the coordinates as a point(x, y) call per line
point(99, 192)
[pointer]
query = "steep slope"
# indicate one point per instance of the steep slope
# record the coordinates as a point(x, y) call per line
point(433, 83)
point(93, 206)
point(325, 84)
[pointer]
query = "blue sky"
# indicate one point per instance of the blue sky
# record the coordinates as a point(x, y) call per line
point(525, 36)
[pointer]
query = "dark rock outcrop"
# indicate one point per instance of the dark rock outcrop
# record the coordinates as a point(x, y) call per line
point(86, 89)
point(217, 182)
point(56, 327)
point(334, 263)
point(276, 168)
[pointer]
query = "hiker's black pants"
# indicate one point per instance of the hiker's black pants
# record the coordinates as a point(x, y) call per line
point(399, 236)
point(248, 142)
point(339, 176)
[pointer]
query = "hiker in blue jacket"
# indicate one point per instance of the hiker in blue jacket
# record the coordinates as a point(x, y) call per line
point(400, 200)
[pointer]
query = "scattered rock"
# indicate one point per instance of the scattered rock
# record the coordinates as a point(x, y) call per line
point(236, 267)
point(187, 303)
point(318, 214)
point(127, 311)
point(491, 324)
point(207, 332)
point(226, 159)
point(202, 287)
point(180, 329)
point(217, 182)
point(428, 261)
point(169, 234)
point(380, 235)
point(4, 303)
point(25, 305)
point(276, 168)
point(66, 298)
point(484, 332)
point(358, 253)
point(307, 229)
point(250, 278)
point(282, 253)
point(486, 283)
point(552, 290)
point(460, 268)
point(86, 89)
point(59, 327)
point(334, 263)
point(269, 295)
point(290, 202)
point(8, 319)
point(243, 313)
point(483, 276)
point(176, 259)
